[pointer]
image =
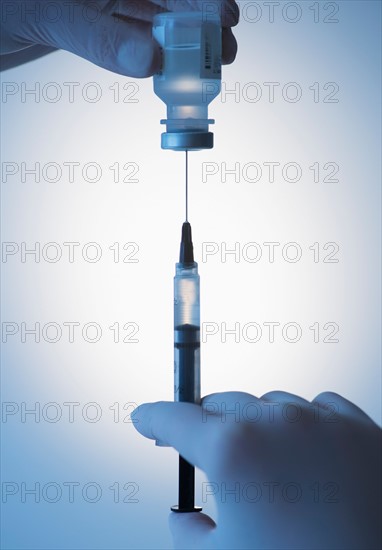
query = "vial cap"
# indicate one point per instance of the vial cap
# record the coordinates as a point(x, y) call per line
point(187, 141)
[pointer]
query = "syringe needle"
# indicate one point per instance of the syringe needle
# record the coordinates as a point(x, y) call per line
point(186, 185)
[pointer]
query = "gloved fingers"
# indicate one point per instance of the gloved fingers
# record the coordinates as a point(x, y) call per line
point(227, 9)
point(12, 60)
point(229, 46)
point(334, 406)
point(191, 531)
point(277, 396)
point(236, 407)
point(144, 10)
point(183, 426)
point(113, 34)
point(124, 47)
point(331, 406)
point(223, 402)
point(233, 407)
point(287, 407)
point(227, 400)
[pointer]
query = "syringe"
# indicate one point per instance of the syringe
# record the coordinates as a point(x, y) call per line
point(188, 80)
point(186, 353)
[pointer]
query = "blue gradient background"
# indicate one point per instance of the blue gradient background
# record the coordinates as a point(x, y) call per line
point(348, 212)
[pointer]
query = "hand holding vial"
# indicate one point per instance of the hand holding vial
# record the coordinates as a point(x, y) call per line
point(115, 35)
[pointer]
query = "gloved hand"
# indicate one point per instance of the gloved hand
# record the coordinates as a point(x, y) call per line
point(285, 473)
point(114, 34)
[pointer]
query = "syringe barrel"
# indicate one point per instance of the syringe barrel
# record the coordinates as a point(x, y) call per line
point(187, 333)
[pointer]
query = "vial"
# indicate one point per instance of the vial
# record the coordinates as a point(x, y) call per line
point(190, 76)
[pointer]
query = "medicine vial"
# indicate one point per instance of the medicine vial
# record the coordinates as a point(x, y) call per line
point(190, 76)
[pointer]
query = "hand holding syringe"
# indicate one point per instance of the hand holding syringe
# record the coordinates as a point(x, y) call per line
point(306, 484)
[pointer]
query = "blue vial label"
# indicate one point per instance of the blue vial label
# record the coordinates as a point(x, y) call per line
point(210, 60)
